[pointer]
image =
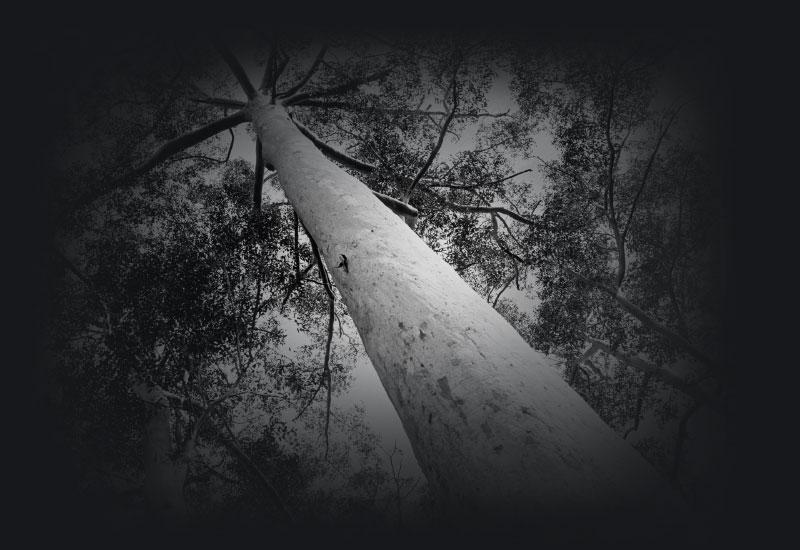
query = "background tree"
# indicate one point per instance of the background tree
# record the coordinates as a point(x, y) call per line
point(628, 248)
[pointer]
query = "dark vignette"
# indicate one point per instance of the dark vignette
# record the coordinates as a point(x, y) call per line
point(45, 486)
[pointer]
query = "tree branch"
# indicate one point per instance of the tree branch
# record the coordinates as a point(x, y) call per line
point(311, 71)
point(552, 165)
point(575, 364)
point(334, 153)
point(508, 229)
point(269, 70)
point(331, 313)
point(397, 206)
point(661, 374)
point(631, 308)
point(278, 72)
point(611, 212)
point(167, 150)
point(258, 184)
point(296, 243)
point(681, 437)
point(353, 84)
point(648, 321)
point(90, 286)
point(637, 415)
point(505, 286)
point(479, 209)
point(189, 139)
point(236, 68)
point(296, 283)
point(230, 145)
point(344, 105)
point(467, 187)
point(230, 443)
point(439, 142)
point(220, 101)
point(647, 171)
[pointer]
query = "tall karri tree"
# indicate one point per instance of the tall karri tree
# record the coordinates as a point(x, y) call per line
point(357, 132)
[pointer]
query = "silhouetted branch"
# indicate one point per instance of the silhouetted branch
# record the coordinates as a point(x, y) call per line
point(637, 415)
point(681, 437)
point(502, 245)
point(467, 187)
point(236, 68)
point(660, 373)
point(230, 443)
point(505, 286)
point(258, 183)
point(631, 308)
point(296, 248)
point(593, 348)
point(269, 75)
point(647, 170)
point(347, 106)
point(331, 313)
point(311, 71)
point(609, 191)
point(296, 283)
point(221, 101)
point(648, 321)
point(167, 150)
point(480, 209)
point(332, 152)
point(439, 142)
point(351, 85)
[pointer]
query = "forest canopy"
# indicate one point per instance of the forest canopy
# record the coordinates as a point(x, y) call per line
point(207, 317)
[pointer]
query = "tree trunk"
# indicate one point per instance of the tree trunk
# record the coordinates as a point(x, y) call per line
point(495, 429)
point(165, 476)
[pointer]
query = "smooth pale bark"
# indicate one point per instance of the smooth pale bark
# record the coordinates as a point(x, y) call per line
point(495, 429)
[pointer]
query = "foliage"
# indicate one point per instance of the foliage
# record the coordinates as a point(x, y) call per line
point(184, 286)
point(631, 208)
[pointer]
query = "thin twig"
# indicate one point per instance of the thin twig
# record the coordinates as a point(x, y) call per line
point(439, 142)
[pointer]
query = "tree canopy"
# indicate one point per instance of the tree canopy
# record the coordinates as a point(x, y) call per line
point(570, 184)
